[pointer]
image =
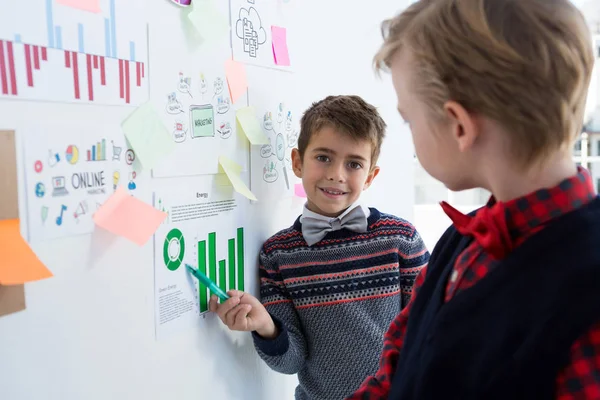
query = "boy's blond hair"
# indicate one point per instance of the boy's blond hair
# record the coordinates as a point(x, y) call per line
point(526, 64)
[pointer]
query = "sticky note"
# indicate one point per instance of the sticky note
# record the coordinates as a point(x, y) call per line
point(18, 263)
point(280, 48)
point(233, 170)
point(85, 5)
point(126, 216)
point(249, 124)
point(299, 190)
point(147, 135)
point(236, 79)
point(207, 20)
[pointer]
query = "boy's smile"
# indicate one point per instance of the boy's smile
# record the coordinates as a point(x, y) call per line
point(334, 171)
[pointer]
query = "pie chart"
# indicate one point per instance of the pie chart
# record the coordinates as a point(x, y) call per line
point(173, 249)
point(72, 154)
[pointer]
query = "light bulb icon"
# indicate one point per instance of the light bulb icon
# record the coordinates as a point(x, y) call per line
point(116, 176)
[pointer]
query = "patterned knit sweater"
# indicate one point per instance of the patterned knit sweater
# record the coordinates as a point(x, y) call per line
point(333, 301)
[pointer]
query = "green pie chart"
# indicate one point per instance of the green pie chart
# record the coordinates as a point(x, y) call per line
point(173, 249)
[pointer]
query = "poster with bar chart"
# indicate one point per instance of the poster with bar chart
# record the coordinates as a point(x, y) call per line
point(76, 51)
point(206, 229)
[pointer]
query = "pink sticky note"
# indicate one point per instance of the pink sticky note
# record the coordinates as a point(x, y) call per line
point(280, 49)
point(124, 215)
point(85, 5)
point(299, 190)
point(236, 79)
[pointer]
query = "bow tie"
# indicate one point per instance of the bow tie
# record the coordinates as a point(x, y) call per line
point(488, 227)
point(315, 229)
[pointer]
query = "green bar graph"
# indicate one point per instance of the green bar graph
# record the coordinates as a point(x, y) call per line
point(240, 253)
point(226, 274)
point(212, 256)
point(202, 267)
point(231, 245)
point(222, 276)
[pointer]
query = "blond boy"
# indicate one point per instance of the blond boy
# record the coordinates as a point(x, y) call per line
point(509, 306)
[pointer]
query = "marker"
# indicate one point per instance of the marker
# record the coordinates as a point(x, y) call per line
point(205, 280)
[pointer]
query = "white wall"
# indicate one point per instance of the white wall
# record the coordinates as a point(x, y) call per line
point(88, 333)
point(340, 40)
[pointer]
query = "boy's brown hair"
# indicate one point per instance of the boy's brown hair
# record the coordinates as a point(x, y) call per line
point(526, 64)
point(348, 114)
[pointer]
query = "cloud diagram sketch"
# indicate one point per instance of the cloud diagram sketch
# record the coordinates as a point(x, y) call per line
point(251, 32)
point(249, 29)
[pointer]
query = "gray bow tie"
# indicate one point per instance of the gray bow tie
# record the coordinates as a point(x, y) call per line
point(314, 229)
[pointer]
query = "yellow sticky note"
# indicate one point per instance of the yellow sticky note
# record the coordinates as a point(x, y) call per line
point(236, 79)
point(249, 124)
point(147, 135)
point(126, 216)
point(207, 20)
point(18, 264)
point(233, 170)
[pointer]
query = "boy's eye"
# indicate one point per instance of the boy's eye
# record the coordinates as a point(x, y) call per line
point(323, 158)
point(354, 165)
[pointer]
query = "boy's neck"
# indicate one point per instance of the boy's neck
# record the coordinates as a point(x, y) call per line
point(508, 183)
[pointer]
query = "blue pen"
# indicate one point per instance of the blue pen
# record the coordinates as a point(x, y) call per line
point(205, 280)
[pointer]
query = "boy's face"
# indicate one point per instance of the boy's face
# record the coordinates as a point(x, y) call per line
point(438, 145)
point(334, 172)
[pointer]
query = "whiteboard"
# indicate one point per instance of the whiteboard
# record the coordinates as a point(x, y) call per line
point(89, 332)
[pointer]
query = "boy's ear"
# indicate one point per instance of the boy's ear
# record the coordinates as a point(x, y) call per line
point(463, 125)
point(374, 172)
point(297, 163)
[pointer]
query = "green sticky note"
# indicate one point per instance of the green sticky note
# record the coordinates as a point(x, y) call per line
point(233, 170)
point(207, 20)
point(249, 124)
point(147, 135)
point(203, 124)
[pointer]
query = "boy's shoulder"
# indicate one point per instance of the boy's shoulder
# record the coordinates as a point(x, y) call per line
point(389, 224)
point(287, 238)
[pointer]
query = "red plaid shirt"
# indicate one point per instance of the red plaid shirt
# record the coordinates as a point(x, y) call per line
point(525, 216)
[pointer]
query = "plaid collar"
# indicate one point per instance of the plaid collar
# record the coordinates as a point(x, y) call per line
point(526, 214)
point(501, 226)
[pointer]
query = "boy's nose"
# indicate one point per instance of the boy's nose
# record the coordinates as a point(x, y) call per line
point(336, 173)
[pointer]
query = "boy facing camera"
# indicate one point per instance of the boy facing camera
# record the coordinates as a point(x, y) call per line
point(331, 283)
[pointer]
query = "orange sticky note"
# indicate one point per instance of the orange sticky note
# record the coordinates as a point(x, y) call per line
point(85, 5)
point(236, 79)
point(18, 264)
point(126, 216)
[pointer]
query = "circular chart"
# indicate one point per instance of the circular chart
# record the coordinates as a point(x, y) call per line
point(280, 147)
point(173, 249)
point(72, 154)
point(40, 189)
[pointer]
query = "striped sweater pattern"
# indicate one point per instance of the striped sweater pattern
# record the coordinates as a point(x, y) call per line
point(333, 301)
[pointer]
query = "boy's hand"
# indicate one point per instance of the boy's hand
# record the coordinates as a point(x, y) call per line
point(244, 312)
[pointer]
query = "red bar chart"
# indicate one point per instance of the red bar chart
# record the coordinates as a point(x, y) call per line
point(97, 59)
